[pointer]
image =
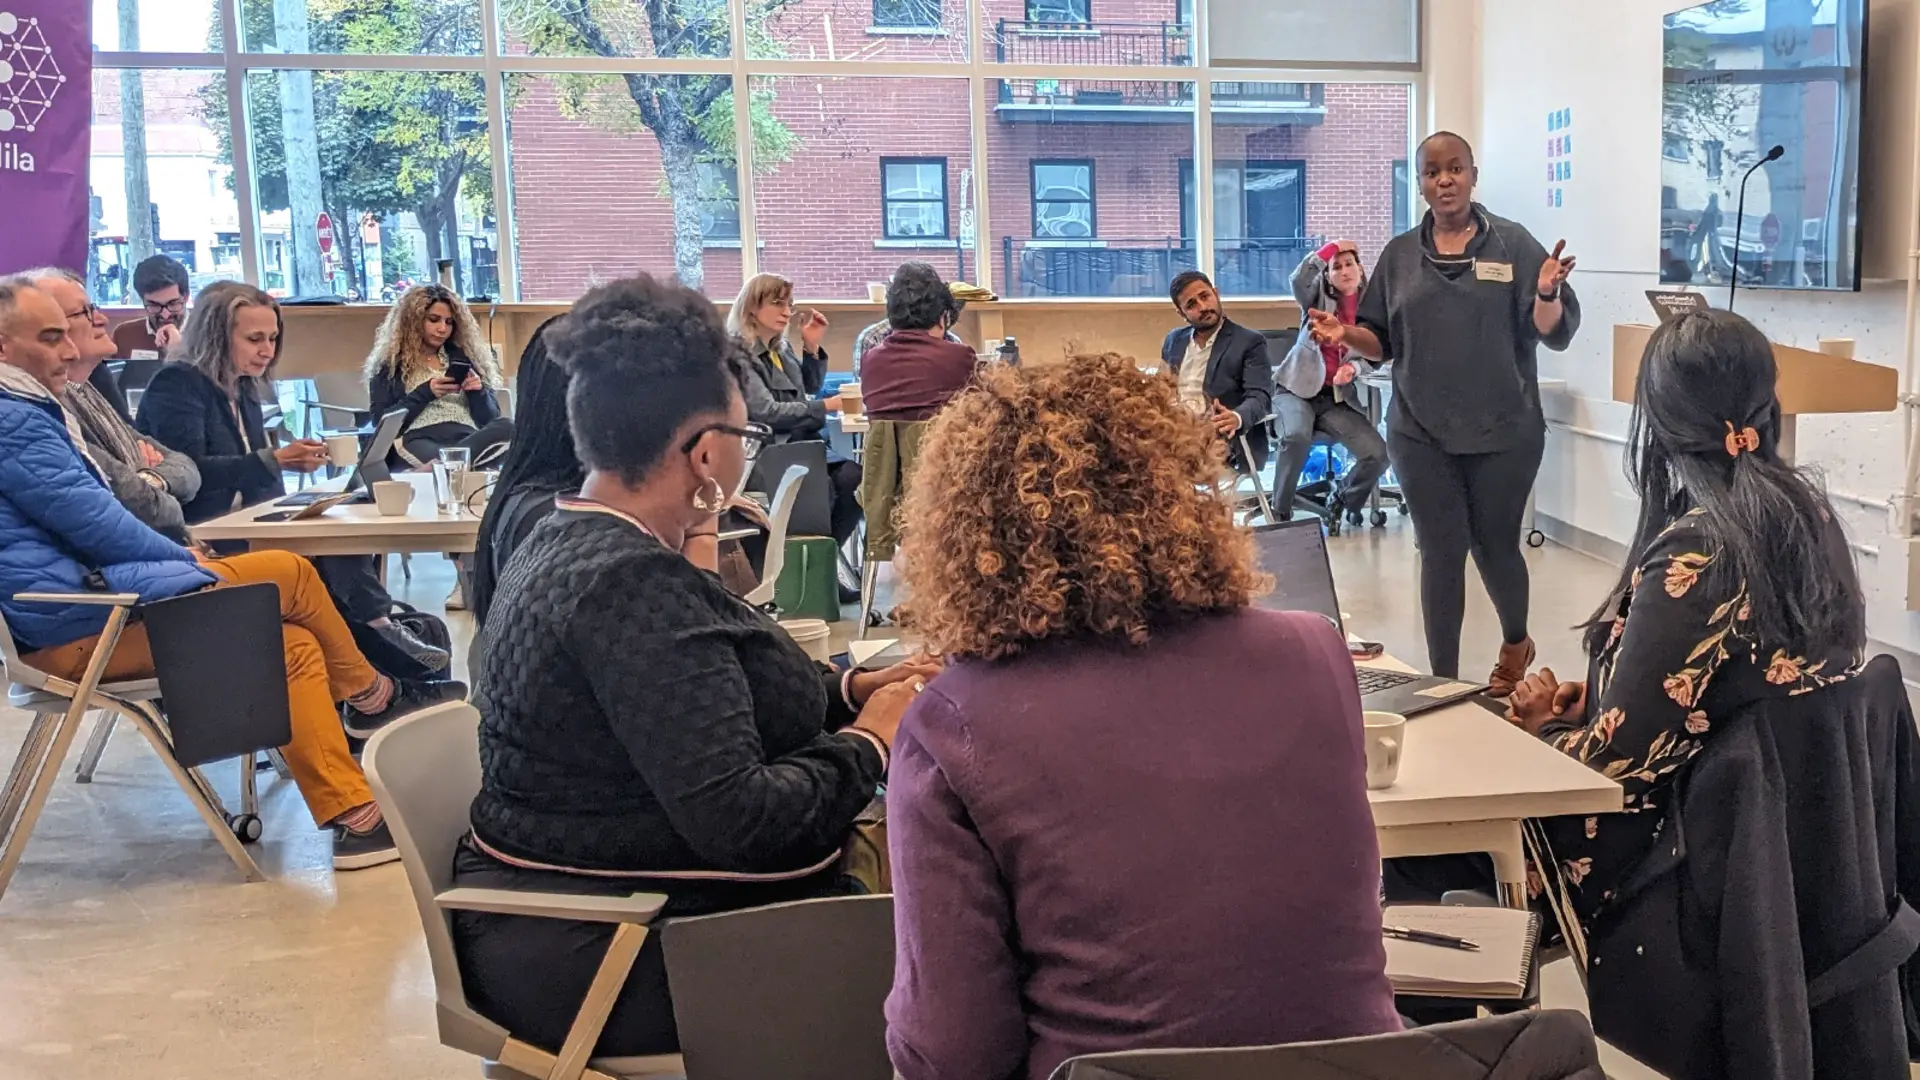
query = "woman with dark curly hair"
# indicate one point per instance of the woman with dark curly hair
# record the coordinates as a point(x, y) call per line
point(1108, 830)
point(642, 729)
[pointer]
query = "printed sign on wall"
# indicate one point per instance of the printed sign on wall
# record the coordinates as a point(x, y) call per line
point(46, 107)
point(1559, 157)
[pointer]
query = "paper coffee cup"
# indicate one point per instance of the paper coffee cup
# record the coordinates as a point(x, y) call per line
point(473, 486)
point(811, 635)
point(1386, 740)
point(343, 451)
point(851, 402)
point(392, 497)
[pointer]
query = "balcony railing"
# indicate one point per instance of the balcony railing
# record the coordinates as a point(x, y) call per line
point(1145, 267)
point(1121, 44)
point(1114, 44)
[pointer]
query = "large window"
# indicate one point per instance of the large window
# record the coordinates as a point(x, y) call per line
point(913, 192)
point(346, 148)
point(160, 184)
point(820, 220)
point(606, 182)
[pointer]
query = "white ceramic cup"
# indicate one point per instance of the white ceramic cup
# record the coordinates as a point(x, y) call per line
point(343, 451)
point(1386, 735)
point(470, 486)
point(811, 635)
point(392, 497)
point(876, 292)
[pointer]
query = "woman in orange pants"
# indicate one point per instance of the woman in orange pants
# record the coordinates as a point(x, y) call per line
point(323, 667)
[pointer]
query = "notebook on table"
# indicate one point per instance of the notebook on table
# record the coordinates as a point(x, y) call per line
point(1500, 968)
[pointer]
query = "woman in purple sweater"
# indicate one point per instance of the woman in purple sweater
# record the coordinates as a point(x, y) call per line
point(1133, 811)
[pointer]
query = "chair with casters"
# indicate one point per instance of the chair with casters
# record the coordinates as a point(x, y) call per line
point(425, 772)
point(779, 517)
point(795, 991)
point(1262, 504)
point(214, 697)
point(1555, 1044)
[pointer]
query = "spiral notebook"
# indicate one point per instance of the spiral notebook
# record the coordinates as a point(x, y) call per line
point(1499, 969)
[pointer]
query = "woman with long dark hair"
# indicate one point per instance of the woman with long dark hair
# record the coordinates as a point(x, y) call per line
point(540, 463)
point(1739, 589)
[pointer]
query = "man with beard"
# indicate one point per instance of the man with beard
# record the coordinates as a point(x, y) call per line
point(163, 286)
point(1221, 367)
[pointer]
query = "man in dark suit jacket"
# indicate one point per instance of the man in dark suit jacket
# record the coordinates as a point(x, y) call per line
point(1234, 384)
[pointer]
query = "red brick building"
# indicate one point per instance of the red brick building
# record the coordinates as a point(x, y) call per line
point(1089, 181)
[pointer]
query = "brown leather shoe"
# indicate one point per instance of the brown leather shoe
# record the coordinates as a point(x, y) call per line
point(1513, 665)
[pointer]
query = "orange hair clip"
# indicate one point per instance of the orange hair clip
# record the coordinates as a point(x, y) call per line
point(1743, 439)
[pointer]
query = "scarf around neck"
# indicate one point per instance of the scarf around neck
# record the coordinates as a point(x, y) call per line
point(24, 386)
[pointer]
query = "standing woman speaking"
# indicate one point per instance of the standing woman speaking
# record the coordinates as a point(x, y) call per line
point(1460, 307)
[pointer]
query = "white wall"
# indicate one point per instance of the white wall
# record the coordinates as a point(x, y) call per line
point(1603, 60)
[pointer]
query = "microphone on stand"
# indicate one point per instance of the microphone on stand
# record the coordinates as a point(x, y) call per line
point(1740, 221)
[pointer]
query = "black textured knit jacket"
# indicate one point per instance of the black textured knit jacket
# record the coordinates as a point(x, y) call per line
point(637, 717)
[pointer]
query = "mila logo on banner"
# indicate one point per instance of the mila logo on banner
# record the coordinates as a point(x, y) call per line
point(30, 80)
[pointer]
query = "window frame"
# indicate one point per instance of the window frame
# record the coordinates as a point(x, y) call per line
point(1092, 201)
point(887, 200)
point(732, 177)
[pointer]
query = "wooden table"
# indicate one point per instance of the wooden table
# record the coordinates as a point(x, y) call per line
point(1468, 779)
point(354, 529)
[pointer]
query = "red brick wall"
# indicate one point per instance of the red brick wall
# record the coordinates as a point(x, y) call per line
point(590, 202)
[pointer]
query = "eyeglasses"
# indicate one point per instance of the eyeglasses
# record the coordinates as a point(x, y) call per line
point(754, 436)
point(86, 313)
point(171, 307)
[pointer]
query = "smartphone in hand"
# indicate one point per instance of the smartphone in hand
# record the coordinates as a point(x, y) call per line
point(458, 369)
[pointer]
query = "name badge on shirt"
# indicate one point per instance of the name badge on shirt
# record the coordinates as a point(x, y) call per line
point(1492, 271)
point(144, 354)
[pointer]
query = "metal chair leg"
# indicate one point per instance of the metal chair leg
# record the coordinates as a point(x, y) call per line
point(37, 781)
point(869, 581)
point(249, 790)
point(279, 764)
point(96, 746)
point(26, 769)
point(197, 790)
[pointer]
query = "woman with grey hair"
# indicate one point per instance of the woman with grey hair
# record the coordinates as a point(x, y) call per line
point(206, 403)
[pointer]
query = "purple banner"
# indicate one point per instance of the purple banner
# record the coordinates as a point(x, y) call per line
point(46, 113)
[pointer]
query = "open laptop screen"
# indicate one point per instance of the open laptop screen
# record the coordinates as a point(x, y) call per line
point(1295, 553)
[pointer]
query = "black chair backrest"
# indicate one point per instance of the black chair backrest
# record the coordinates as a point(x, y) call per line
point(795, 991)
point(1280, 343)
point(222, 671)
point(1549, 1045)
point(813, 514)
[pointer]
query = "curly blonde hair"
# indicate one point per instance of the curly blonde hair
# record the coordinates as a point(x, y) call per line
point(1077, 499)
point(399, 349)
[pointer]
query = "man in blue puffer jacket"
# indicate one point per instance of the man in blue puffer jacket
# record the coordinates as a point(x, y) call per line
point(62, 531)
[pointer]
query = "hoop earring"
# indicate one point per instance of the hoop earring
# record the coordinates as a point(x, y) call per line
point(710, 498)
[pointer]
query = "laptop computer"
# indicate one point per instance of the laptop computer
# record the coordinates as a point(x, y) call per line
point(371, 469)
point(1295, 553)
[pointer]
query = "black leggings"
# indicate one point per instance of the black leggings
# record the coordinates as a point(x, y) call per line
point(1468, 504)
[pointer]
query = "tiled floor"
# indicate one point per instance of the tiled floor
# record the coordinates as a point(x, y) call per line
point(128, 947)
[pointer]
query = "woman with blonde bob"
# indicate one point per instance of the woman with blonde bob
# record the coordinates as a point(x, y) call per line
point(431, 359)
point(779, 383)
point(1132, 813)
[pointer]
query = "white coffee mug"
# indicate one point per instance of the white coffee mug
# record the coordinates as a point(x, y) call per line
point(392, 497)
point(343, 451)
point(811, 635)
point(1386, 735)
point(472, 486)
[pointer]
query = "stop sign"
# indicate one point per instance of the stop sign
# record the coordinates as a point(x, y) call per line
point(323, 227)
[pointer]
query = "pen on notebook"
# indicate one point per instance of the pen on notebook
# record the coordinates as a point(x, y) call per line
point(1425, 937)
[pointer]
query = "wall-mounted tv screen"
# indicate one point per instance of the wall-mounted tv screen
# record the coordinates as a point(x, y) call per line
point(1744, 76)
